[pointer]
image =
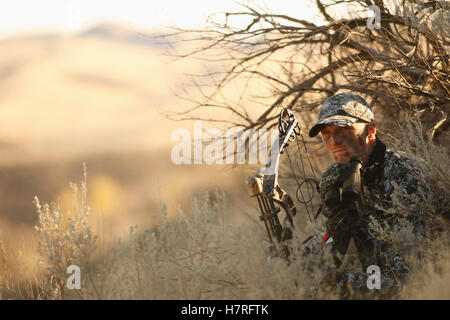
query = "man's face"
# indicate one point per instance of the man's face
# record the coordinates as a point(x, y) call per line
point(346, 142)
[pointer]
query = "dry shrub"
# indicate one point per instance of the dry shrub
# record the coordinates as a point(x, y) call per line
point(65, 239)
point(424, 243)
point(17, 280)
point(205, 254)
point(199, 255)
point(202, 255)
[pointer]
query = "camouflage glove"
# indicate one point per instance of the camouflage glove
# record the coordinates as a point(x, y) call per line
point(329, 188)
point(336, 211)
point(331, 178)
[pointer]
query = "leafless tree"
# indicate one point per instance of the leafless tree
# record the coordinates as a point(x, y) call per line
point(400, 66)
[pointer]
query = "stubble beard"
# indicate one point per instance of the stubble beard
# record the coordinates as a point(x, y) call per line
point(359, 150)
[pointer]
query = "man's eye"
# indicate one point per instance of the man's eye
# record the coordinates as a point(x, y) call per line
point(325, 136)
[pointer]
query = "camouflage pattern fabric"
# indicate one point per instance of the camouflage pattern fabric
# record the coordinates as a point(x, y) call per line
point(384, 170)
point(343, 110)
point(330, 178)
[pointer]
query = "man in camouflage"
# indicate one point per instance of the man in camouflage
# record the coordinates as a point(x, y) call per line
point(348, 130)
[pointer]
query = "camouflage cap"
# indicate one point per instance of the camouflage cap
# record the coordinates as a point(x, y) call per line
point(343, 109)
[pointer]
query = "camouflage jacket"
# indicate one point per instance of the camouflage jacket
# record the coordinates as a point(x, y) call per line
point(384, 171)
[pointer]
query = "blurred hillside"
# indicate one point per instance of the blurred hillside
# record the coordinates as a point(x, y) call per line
point(103, 89)
point(97, 97)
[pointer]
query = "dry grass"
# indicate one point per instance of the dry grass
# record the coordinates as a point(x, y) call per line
point(428, 250)
point(209, 252)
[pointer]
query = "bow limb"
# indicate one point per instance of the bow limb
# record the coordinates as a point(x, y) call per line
point(286, 132)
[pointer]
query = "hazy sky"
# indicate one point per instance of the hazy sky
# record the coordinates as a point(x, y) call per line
point(26, 16)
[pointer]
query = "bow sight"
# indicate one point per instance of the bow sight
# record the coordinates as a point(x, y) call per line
point(271, 198)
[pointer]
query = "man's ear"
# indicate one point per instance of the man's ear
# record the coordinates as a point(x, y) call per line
point(372, 128)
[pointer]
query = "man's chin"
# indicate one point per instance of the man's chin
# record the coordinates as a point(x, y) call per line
point(342, 157)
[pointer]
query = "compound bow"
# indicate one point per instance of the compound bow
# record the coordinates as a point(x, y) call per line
point(271, 198)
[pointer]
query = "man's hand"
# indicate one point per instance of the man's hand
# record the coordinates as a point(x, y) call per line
point(329, 188)
point(339, 176)
point(335, 210)
point(331, 178)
